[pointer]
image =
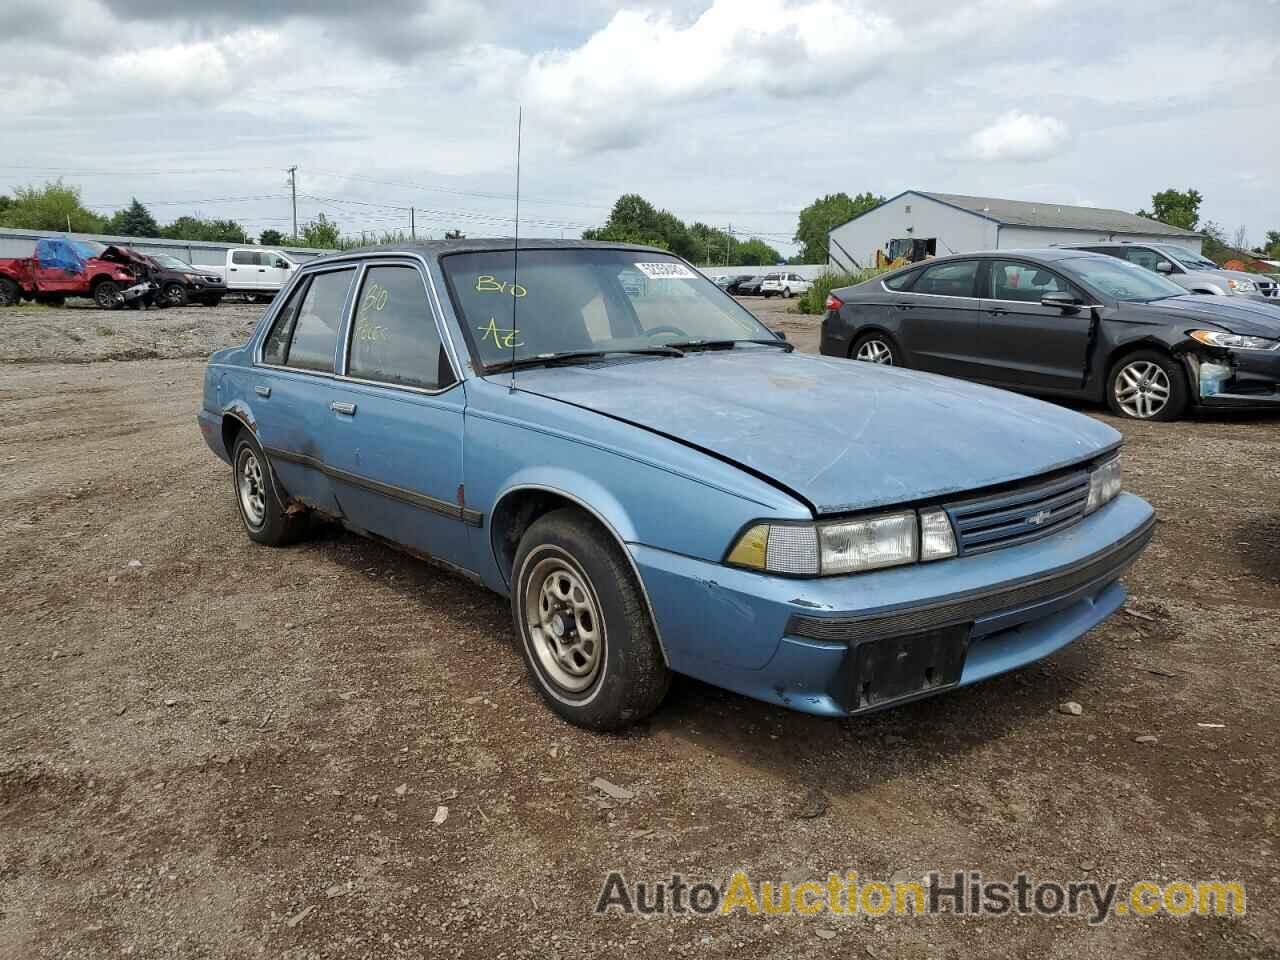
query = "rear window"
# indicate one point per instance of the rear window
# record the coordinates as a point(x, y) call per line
point(902, 281)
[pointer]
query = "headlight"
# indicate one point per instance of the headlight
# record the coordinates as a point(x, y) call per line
point(847, 546)
point(1104, 485)
point(1240, 286)
point(1216, 338)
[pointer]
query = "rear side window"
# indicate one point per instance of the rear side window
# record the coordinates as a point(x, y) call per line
point(306, 331)
point(276, 348)
point(948, 279)
point(244, 258)
point(395, 338)
point(902, 281)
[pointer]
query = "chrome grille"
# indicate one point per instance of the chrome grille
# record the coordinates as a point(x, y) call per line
point(1018, 515)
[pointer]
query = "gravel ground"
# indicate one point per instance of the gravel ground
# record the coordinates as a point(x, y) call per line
point(213, 749)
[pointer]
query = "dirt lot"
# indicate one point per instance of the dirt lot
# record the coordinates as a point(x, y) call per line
point(213, 749)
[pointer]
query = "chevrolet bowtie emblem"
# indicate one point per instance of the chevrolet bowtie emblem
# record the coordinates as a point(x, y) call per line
point(1038, 518)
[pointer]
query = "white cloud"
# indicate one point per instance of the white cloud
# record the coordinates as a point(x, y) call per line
point(1020, 137)
point(611, 90)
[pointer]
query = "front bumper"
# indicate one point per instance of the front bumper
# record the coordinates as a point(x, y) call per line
point(844, 645)
point(1241, 379)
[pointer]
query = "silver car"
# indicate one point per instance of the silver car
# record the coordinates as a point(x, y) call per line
point(1189, 270)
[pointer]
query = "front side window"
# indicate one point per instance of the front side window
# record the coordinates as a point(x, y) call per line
point(394, 338)
point(1010, 280)
point(587, 300)
point(948, 279)
point(312, 331)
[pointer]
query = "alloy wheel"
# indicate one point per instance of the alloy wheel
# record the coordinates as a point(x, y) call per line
point(875, 351)
point(1142, 389)
point(563, 618)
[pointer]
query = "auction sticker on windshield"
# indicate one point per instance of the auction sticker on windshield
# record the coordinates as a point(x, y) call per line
point(665, 271)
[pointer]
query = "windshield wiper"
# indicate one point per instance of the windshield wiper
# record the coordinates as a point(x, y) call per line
point(688, 345)
point(576, 356)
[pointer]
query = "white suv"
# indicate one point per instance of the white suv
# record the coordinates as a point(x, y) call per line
point(784, 284)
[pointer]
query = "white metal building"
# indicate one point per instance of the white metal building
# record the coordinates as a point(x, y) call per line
point(951, 223)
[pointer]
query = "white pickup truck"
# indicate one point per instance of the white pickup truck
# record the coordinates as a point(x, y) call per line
point(259, 271)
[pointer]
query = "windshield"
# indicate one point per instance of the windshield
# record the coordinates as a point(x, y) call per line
point(1120, 279)
point(583, 299)
point(88, 248)
point(1192, 261)
point(171, 263)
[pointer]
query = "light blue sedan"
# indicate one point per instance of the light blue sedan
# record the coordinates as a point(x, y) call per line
point(660, 484)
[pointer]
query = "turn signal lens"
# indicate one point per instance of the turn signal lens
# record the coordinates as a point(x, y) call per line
point(751, 548)
point(937, 539)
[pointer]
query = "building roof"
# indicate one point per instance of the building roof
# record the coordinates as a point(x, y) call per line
point(1024, 213)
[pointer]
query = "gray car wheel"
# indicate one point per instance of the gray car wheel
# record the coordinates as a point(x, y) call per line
point(1147, 385)
point(874, 348)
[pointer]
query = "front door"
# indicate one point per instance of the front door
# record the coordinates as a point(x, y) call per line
point(242, 271)
point(394, 441)
point(272, 274)
point(939, 319)
point(1024, 343)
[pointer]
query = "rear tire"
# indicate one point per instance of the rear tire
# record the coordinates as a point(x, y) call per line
point(585, 633)
point(876, 347)
point(1148, 385)
point(786, 294)
point(10, 293)
point(265, 518)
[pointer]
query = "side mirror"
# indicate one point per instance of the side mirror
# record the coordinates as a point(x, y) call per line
point(780, 334)
point(282, 264)
point(1060, 299)
point(1164, 266)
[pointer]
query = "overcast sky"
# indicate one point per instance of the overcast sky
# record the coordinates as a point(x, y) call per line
point(728, 111)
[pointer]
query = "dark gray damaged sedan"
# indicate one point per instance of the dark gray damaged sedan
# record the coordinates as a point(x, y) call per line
point(1064, 323)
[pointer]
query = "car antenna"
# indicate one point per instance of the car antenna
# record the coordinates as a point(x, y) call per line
point(515, 249)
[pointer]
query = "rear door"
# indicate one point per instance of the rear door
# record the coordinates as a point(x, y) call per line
point(293, 383)
point(938, 319)
point(1024, 343)
point(242, 270)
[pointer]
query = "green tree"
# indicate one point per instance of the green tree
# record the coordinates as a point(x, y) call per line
point(134, 220)
point(1271, 248)
point(634, 219)
point(824, 214)
point(271, 238)
point(197, 228)
point(320, 232)
point(1178, 208)
point(755, 252)
point(55, 206)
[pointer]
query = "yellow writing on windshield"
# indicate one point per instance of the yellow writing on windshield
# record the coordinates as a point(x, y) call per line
point(487, 284)
point(504, 337)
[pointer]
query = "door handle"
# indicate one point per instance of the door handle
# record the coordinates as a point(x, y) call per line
point(997, 311)
point(233, 269)
point(262, 391)
point(904, 306)
point(338, 406)
point(262, 269)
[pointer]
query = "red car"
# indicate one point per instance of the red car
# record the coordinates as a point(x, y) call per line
point(68, 268)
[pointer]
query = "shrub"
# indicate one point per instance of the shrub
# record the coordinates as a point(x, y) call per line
point(814, 301)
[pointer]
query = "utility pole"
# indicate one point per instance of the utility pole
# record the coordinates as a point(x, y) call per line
point(413, 227)
point(293, 189)
point(728, 239)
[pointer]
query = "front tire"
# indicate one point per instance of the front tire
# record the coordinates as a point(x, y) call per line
point(265, 518)
point(876, 348)
point(10, 293)
point(105, 293)
point(586, 636)
point(1148, 385)
point(173, 295)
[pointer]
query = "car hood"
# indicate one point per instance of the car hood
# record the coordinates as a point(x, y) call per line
point(1243, 315)
point(838, 434)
